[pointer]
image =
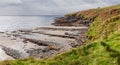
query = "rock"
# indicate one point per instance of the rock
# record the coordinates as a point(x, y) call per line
point(4, 56)
point(16, 54)
point(42, 42)
point(35, 53)
point(25, 30)
point(54, 48)
point(74, 45)
point(41, 53)
point(72, 21)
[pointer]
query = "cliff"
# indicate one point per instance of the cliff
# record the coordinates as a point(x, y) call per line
point(102, 43)
point(85, 18)
point(73, 20)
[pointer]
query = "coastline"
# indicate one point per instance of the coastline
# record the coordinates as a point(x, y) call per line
point(101, 46)
point(41, 42)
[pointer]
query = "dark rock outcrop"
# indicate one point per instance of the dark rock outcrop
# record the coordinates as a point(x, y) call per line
point(16, 54)
point(72, 21)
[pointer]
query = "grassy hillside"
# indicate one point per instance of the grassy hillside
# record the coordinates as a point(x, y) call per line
point(102, 46)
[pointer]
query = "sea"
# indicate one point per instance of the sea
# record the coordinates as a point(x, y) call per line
point(10, 23)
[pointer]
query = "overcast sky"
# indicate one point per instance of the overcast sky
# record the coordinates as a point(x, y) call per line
point(44, 7)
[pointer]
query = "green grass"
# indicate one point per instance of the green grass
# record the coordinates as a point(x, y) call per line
point(103, 47)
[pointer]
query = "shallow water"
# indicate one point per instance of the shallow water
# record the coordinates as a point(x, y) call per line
point(8, 23)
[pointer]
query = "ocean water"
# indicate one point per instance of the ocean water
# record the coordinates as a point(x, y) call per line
point(8, 23)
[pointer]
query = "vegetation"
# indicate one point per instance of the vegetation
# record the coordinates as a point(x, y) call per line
point(102, 46)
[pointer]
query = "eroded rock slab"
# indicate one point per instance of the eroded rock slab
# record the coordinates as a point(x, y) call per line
point(42, 42)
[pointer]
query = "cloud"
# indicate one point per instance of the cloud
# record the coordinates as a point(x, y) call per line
point(9, 2)
point(41, 7)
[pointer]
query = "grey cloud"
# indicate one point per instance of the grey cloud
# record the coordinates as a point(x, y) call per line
point(9, 2)
point(40, 7)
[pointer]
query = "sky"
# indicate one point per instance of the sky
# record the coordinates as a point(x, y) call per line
point(50, 7)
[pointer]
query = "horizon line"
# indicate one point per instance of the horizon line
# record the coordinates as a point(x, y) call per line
point(31, 15)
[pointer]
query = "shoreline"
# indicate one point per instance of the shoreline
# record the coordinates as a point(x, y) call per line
point(41, 42)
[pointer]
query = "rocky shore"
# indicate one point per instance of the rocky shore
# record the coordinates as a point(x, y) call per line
point(73, 20)
point(41, 42)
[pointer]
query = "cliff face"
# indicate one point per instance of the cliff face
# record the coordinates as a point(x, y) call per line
point(102, 45)
point(85, 18)
point(72, 20)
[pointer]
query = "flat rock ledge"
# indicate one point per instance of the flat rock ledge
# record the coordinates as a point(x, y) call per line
point(42, 42)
